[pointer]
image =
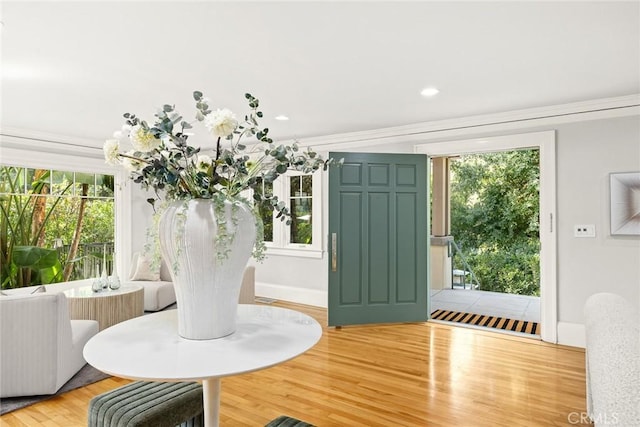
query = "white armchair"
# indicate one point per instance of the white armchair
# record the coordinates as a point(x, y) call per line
point(612, 328)
point(41, 348)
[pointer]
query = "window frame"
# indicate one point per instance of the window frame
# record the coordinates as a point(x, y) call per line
point(282, 233)
point(58, 156)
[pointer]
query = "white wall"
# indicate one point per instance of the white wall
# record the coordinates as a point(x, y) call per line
point(587, 153)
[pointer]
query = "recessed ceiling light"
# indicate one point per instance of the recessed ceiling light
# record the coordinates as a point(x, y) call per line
point(282, 117)
point(429, 91)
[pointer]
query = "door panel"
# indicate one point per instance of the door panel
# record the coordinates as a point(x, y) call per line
point(378, 262)
point(378, 209)
point(349, 269)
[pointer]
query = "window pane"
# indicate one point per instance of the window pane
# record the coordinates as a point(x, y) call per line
point(301, 229)
point(40, 181)
point(266, 212)
point(294, 186)
point(96, 237)
point(32, 177)
point(105, 185)
point(85, 184)
point(307, 185)
point(12, 180)
point(60, 182)
point(301, 189)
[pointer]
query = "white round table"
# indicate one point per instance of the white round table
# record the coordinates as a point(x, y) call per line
point(149, 348)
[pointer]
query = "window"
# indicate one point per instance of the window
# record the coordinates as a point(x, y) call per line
point(300, 202)
point(302, 195)
point(66, 217)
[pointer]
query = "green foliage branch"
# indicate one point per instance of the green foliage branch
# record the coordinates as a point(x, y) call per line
point(22, 262)
point(163, 161)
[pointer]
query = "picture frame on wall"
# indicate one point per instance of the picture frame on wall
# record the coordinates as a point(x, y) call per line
point(625, 204)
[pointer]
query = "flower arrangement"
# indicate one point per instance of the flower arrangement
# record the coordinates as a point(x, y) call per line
point(161, 158)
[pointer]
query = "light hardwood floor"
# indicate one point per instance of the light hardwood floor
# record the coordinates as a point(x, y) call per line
point(387, 375)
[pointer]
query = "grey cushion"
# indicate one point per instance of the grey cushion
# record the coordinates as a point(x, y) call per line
point(149, 404)
point(284, 421)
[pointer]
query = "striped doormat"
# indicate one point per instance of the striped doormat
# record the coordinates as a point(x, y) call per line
point(487, 321)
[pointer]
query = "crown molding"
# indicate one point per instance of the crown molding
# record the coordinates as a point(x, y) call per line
point(52, 143)
point(517, 119)
point(420, 132)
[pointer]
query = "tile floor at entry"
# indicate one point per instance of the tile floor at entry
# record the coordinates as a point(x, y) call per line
point(516, 307)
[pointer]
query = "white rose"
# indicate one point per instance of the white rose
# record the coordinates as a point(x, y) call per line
point(143, 140)
point(221, 123)
point(204, 162)
point(111, 150)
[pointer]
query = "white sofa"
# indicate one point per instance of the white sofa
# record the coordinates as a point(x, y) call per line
point(158, 292)
point(41, 348)
point(612, 329)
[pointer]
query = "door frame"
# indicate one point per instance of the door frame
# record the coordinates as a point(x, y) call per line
point(545, 141)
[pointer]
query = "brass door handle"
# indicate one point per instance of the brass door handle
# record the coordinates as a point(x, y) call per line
point(334, 252)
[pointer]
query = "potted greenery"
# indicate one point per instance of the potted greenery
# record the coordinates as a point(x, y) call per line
point(208, 226)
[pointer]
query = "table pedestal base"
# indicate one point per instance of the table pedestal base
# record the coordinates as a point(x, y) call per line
point(211, 401)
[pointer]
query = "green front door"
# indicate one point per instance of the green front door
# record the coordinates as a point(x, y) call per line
point(378, 239)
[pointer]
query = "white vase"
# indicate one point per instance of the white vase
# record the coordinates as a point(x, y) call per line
point(207, 286)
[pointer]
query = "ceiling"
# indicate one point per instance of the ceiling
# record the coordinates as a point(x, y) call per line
point(73, 68)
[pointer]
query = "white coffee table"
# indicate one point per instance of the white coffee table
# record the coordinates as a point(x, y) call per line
point(108, 306)
point(149, 348)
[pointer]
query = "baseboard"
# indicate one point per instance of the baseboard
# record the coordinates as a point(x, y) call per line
point(292, 294)
point(572, 334)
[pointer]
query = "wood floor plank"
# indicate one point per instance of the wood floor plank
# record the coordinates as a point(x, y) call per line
point(410, 375)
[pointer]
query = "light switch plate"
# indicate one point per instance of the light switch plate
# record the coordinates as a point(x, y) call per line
point(584, 230)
